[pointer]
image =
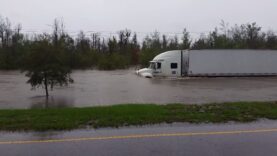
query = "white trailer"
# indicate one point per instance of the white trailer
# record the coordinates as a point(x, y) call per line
point(213, 63)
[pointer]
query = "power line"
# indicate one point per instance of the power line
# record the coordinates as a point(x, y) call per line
point(141, 35)
point(113, 32)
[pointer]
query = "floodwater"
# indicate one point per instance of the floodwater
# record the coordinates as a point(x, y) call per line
point(94, 88)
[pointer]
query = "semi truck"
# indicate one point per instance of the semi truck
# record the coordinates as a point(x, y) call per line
point(212, 63)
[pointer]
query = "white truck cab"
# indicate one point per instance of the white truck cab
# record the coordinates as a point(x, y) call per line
point(164, 64)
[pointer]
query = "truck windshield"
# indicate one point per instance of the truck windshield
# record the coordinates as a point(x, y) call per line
point(152, 65)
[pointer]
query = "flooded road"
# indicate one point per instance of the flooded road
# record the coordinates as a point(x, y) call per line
point(92, 88)
point(240, 139)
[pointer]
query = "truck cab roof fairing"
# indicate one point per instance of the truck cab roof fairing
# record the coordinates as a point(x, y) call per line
point(167, 54)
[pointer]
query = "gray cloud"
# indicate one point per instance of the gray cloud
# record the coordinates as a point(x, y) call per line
point(139, 15)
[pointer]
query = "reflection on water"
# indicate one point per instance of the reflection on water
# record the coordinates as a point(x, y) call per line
point(92, 87)
point(51, 102)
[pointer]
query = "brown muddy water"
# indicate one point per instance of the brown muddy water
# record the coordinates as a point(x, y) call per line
point(94, 88)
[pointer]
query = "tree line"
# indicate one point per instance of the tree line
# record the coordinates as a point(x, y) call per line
point(20, 51)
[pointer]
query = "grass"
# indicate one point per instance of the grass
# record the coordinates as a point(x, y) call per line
point(133, 114)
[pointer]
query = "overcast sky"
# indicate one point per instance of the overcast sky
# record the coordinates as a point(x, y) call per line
point(139, 15)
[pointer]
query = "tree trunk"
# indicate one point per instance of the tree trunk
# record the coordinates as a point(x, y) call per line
point(46, 85)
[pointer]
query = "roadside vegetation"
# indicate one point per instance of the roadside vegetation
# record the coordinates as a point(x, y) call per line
point(88, 50)
point(133, 114)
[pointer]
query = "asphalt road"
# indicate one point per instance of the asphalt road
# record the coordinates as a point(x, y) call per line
point(258, 138)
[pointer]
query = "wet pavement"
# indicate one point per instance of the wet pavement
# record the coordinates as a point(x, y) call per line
point(94, 87)
point(255, 139)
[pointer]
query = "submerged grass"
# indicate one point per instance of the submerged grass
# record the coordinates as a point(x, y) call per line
point(133, 114)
